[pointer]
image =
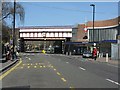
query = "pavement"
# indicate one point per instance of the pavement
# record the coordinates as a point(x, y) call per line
point(7, 64)
point(101, 59)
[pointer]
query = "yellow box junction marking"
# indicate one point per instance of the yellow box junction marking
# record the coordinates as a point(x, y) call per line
point(6, 73)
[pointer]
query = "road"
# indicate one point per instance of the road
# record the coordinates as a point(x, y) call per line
point(59, 71)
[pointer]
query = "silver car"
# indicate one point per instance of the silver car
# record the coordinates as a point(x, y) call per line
point(87, 54)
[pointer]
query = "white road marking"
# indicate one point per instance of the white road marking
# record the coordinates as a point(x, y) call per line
point(82, 68)
point(29, 58)
point(67, 62)
point(113, 65)
point(112, 81)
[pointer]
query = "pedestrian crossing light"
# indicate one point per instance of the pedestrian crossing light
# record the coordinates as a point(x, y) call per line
point(85, 37)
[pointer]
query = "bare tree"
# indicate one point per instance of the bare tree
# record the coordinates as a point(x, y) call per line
point(8, 10)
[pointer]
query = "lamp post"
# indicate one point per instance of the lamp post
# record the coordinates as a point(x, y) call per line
point(93, 18)
point(14, 28)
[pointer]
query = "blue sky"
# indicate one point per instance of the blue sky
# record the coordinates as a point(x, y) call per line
point(66, 13)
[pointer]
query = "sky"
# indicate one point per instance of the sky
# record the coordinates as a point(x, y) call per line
point(66, 13)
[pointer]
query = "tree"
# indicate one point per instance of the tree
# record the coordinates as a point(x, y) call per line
point(8, 12)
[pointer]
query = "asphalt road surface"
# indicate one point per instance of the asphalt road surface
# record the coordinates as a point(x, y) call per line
point(59, 71)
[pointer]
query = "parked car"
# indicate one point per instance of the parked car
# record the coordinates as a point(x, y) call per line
point(87, 54)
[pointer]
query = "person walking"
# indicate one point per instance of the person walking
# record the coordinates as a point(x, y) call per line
point(7, 51)
point(94, 53)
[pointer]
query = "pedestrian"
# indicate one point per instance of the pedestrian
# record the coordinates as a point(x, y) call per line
point(7, 51)
point(94, 53)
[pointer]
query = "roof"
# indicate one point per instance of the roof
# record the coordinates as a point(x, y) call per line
point(47, 27)
point(104, 23)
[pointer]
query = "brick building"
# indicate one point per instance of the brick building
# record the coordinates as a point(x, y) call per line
point(106, 33)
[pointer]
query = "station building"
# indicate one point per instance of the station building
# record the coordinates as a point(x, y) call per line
point(105, 37)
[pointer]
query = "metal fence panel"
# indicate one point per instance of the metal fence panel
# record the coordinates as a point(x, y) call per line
point(115, 51)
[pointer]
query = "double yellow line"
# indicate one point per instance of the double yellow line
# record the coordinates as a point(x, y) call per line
point(6, 73)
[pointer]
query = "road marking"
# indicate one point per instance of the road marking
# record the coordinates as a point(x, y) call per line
point(31, 64)
point(82, 68)
point(5, 74)
point(44, 66)
point(28, 67)
point(21, 67)
point(51, 66)
point(113, 81)
point(35, 66)
point(40, 66)
point(72, 88)
point(29, 58)
point(113, 65)
point(64, 80)
point(23, 64)
point(54, 69)
point(67, 62)
point(58, 73)
point(28, 64)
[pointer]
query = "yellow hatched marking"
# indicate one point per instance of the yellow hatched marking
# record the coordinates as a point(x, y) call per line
point(64, 80)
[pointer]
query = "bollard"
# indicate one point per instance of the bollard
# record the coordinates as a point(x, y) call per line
point(66, 53)
point(106, 57)
point(69, 53)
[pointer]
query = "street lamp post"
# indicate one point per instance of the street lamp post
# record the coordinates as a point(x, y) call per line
point(14, 28)
point(93, 18)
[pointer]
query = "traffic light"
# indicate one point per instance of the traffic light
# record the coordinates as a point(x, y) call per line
point(21, 44)
point(85, 37)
